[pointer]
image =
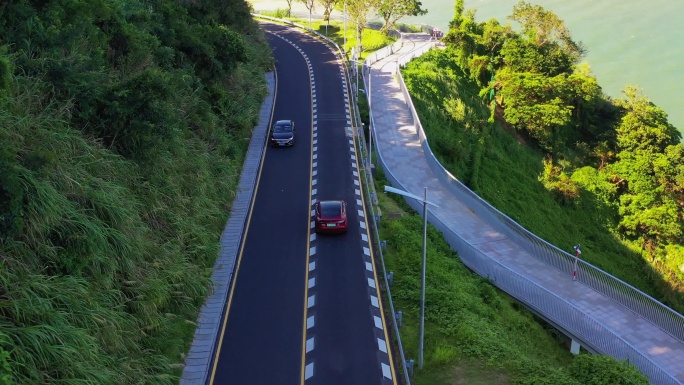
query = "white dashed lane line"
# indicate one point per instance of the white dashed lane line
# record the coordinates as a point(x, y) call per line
point(311, 284)
point(365, 253)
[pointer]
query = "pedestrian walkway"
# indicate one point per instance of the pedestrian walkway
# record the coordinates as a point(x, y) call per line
point(398, 145)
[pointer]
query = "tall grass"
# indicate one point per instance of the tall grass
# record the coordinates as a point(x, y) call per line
point(104, 261)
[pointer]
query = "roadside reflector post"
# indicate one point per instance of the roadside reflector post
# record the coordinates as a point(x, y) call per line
point(409, 367)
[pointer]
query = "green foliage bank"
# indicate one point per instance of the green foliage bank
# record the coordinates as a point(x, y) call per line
point(123, 127)
point(519, 118)
point(474, 333)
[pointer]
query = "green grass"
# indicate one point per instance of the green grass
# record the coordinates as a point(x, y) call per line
point(474, 333)
point(371, 39)
point(106, 260)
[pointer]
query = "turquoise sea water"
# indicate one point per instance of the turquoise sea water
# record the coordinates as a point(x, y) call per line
point(629, 42)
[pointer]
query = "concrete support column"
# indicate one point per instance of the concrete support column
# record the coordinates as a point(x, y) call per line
point(574, 347)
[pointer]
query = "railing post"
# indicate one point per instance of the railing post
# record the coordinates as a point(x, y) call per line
point(409, 366)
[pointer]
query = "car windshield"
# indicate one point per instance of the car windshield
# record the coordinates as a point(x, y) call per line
point(331, 209)
point(282, 127)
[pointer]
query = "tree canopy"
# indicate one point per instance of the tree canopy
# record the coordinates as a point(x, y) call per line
point(393, 10)
point(549, 99)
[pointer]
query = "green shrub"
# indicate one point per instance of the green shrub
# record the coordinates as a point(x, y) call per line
point(138, 116)
point(603, 370)
point(5, 73)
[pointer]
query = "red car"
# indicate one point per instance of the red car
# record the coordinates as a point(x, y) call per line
point(331, 217)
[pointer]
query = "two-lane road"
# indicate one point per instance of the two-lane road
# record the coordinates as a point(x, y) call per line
point(303, 308)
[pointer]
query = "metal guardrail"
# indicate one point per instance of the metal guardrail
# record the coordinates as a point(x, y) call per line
point(546, 303)
point(369, 190)
point(371, 197)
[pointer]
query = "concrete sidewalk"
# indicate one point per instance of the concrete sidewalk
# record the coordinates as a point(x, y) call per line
point(398, 143)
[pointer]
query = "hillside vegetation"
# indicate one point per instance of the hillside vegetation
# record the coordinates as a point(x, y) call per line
point(123, 128)
point(474, 333)
point(522, 121)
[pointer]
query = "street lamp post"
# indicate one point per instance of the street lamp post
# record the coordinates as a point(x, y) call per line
point(345, 28)
point(370, 110)
point(356, 74)
point(356, 63)
point(369, 97)
point(370, 120)
point(425, 203)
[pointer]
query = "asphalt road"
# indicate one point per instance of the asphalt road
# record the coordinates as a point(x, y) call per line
point(345, 346)
point(262, 342)
point(275, 292)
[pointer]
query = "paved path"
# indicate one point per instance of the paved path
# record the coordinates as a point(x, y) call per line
point(397, 141)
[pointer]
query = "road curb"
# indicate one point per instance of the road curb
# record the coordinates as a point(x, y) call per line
point(198, 360)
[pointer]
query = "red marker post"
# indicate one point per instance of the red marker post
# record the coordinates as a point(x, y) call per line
point(574, 268)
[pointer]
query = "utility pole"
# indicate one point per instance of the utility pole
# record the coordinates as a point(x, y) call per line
point(425, 203)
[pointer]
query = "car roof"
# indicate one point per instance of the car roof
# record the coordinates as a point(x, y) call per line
point(330, 203)
point(284, 123)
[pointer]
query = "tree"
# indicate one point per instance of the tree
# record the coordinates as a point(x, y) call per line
point(393, 10)
point(309, 4)
point(328, 6)
point(358, 11)
point(587, 100)
point(289, 7)
point(460, 34)
point(644, 126)
point(651, 167)
point(648, 211)
point(535, 103)
point(545, 28)
point(455, 23)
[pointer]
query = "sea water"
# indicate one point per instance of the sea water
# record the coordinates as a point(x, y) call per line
point(629, 42)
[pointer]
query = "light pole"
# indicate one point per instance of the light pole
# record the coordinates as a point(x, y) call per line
point(368, 97)
point(370, 120)
point(345, 28)
point(356, 74)
point(425, 203)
